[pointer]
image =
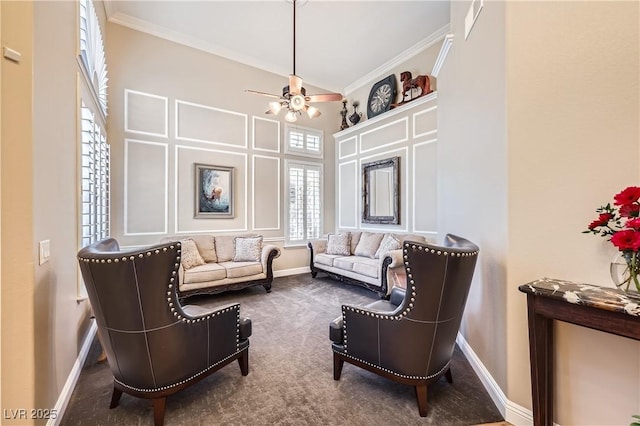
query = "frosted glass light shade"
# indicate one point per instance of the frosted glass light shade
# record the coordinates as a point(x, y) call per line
point(313, 112)
point(296, 102)
point(275, 107)
point(291, 116)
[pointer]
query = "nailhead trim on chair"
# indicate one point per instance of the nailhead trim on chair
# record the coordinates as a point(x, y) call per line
point(161, 388)
point(404, 376)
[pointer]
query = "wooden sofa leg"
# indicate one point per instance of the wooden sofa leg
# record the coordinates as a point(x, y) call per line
point(421, 396)
point(159, 405)
point(267, 287)
point(243, 361)
point(115, 397)
point(338, 362)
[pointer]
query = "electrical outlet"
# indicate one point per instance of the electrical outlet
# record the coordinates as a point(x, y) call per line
point(45, 251)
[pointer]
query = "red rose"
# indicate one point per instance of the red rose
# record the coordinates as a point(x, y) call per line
point(630, 210)
point(634, 223)
point(626, 240)
point(627, 196)
point(602, 220)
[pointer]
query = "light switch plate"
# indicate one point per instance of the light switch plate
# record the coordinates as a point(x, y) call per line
point(45, 251)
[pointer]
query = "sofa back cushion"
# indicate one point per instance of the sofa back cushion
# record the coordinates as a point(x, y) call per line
point(206, 246)
point(189, 256)
point(388, 243)
point(355, 239)
point(225, 248)
point(368, 244)
point(338, 244)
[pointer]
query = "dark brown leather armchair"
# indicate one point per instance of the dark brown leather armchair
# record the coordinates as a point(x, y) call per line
point(156, 347)
point(411, 337)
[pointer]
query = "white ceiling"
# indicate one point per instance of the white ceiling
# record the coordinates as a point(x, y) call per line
point(338, 43)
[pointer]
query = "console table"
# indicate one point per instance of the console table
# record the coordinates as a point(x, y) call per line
point(601, 308)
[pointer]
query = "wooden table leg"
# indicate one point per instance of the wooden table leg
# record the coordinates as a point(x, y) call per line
point(541, 358)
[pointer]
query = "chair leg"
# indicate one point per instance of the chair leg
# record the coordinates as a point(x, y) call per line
point(115, 397)
point(338, 362)
point(421, 396)
point(448, 375)
point(243, 361)
point(159, 405)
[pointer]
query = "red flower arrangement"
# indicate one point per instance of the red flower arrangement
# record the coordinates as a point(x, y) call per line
point(620, 223)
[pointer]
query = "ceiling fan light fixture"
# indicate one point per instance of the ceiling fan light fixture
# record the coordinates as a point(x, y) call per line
point(291, 116)
point(313, 112)
point(275, 107)
point(296, 102)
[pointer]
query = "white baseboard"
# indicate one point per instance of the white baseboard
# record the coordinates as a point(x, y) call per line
point(292, 271)
point(70, 384)
point(512, 412)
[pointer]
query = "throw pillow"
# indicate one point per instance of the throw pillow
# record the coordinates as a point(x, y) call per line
point(206, 247)
point(338, 244)
point(389, 242)
point(190, 256)
point(248, 249)
point(368, 244)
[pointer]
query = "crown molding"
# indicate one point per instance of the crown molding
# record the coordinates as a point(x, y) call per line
point(399, 59)
point(193, 42)
point(444, 51)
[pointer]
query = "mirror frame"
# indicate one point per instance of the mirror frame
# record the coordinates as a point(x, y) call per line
point(367, 217)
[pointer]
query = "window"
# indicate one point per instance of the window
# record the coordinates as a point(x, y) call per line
point(95, 179)
point(93, 147)
point(303, 141)
point(304, 196)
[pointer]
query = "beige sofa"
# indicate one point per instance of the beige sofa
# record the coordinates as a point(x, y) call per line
point(216, 263)
point(370, 259)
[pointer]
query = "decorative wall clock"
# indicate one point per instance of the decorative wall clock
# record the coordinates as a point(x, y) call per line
point(382, 95)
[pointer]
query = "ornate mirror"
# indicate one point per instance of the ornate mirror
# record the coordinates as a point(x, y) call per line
point(381, 191)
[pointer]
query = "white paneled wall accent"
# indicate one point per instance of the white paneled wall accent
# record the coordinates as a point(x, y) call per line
point(385, 135)
point(348, 148)
point(348, 193)
point(185, 184)
point(145, 196)
point(425, 187)
point(203, 123)
point(146, 114)
point(266, 134)
point(266, 193)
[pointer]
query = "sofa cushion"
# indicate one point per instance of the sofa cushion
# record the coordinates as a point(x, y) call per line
point(241, 269)
point(389, 242)
point(205, 273)
point(206, 246)
point(247, 249)
point(345, 263)
point(325, 259)
point(366, 266)
point(224, 247)
point(189, 256)
point(339, 244)
point(355, 239)
point(368, 244)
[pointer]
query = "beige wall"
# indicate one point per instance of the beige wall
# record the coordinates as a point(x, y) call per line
point(548, 94)
point(144, 63)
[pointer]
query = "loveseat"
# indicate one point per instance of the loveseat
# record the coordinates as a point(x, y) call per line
point(369, 259)
point(215, 263)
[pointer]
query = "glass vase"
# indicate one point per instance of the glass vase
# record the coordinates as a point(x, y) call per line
point(624, 271)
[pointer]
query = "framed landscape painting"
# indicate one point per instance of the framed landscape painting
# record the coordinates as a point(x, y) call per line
point(214, 191)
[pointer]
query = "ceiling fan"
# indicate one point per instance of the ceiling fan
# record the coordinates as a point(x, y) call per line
point(294, 96)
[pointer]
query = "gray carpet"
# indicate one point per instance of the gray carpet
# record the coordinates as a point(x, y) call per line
point(290, 379)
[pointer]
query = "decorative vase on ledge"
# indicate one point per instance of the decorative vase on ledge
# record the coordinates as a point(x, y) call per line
point(621, 269)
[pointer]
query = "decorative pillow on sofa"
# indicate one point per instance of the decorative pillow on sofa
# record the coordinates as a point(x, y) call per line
point(389, 242)
point(190, 255)
point(206, 247)
point(338, 244)
point(368, 244)
point(248, 249)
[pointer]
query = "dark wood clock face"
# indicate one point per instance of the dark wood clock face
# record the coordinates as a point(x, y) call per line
point(382, 95)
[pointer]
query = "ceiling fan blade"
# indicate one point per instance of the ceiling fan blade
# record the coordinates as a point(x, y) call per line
point(255, 92)
point(324, 97)
point(295, 84)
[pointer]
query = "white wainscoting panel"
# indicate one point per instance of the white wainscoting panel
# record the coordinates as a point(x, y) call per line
point(348, 195)
point(266, 134)
point(145, 195)
point(425, 187)
point(202, 123)
point(146, 114)
point(348, 147)
point(385, 135)
point(266, 193)
point(425, 122)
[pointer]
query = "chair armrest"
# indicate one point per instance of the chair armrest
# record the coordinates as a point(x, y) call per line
point(396, 258)
point(335, 330)
point(269, 251)
point(195, 312)
point(397, 296)
point(245, 328)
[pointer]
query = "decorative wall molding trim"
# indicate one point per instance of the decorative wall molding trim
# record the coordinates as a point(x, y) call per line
point(414, 168)
point(127, 129)
point(388, 66)
point(357, 186)
point(415, 119)
point(210, 108)
point(72, 379)
point(444, 51)
point(402, 138)
point(253, 192)
point(253, 133)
